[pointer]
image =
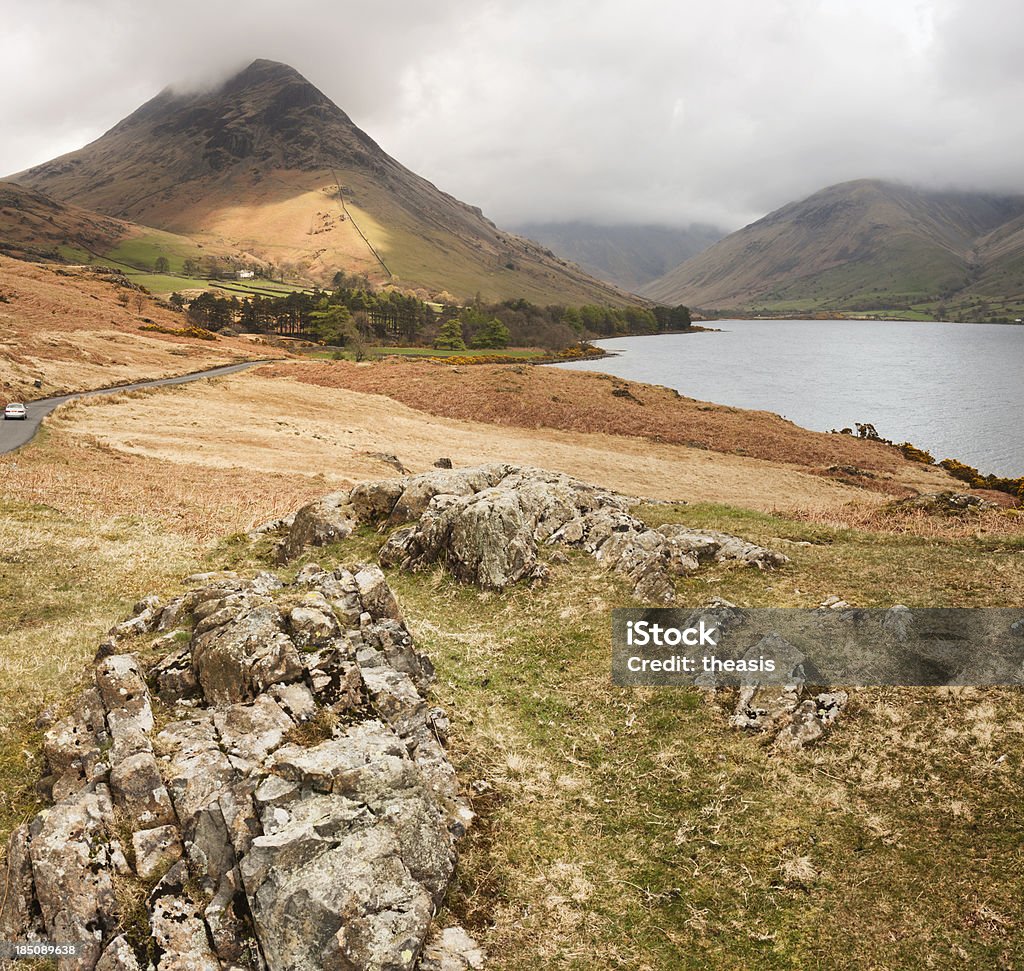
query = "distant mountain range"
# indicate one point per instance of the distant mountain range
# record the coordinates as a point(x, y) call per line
point(268, 165)
point(865, 246)
point(628, 256)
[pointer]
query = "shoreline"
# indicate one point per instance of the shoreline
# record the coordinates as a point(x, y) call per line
point(963, 468)
point(858, 320)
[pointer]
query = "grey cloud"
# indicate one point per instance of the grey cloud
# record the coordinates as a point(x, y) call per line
point(652, 112)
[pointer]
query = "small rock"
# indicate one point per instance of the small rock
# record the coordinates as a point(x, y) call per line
point(156, 850)
point(325, 521)
point(296, 700)
point(451, 949)
point(125, 695)
point(118, 956)
point(138, 787)
point(17, 896)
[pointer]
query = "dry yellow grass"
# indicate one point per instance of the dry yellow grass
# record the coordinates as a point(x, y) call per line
point(277, 222)
point(530, 398)
point(285, 427)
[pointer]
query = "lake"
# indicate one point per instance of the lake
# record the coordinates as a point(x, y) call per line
point(956, 390)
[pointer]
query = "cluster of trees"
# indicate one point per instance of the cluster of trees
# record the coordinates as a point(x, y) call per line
point(353, 313)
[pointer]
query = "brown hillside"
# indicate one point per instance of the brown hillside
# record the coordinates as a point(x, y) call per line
point(269, 164)
point(34, 226)
point(858, 245)
point(66, 327)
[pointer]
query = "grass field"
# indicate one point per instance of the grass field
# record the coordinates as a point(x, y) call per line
point(618, 828)
point(137, 255)
point(143, 250)
point(633, 828)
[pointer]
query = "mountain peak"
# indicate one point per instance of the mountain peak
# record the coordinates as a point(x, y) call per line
point(267, 114)
point(264, 74)
point(267, 164)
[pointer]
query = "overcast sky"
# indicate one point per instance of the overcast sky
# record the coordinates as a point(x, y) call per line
point(648, 111)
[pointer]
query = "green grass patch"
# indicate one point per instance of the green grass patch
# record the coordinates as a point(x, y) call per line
point(144, 250)
point(163, 284)
point(74, 254)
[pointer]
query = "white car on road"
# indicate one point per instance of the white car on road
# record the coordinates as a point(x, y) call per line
point(16, 411)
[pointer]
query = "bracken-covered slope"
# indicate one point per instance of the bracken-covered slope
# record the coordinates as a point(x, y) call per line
point(268, 164)
point(34, 226)
point(75, 328)
point(37, 227)
point(861, 245)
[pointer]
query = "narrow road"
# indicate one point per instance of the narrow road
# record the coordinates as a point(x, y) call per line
point(14, 434)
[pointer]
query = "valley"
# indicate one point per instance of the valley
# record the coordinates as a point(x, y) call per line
point(306, 664)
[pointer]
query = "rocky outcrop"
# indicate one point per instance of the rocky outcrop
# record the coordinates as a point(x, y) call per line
point(792, 712)
point(946, 503)
point(273, 792)
point(487, 524)
point(791, 715)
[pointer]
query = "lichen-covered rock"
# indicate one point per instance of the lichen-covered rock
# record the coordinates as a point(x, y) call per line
point(788, 711)
point(373, 501)
point(810, 721)
point(240, 658)
point(123, 689)
point(118, 956)
point(19, 916)
point(296, 700)
point(196, 769)
point(355, 857)
point(178, 928)
point(274, 846)
point(420, 490)
point(74, 746)
point(251, 732)
point(138, 788)
point(485, 524)
point(145, 618)
point(156, 850)
point(329, 892)
point(946, 503)
point(74, 861)
point(312, 622)
point(484, 538)
point(375, 594)
point(452, 949)
point(325, 521)
point(174, 675)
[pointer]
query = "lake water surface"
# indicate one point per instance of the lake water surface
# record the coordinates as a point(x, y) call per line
point(956, 390)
